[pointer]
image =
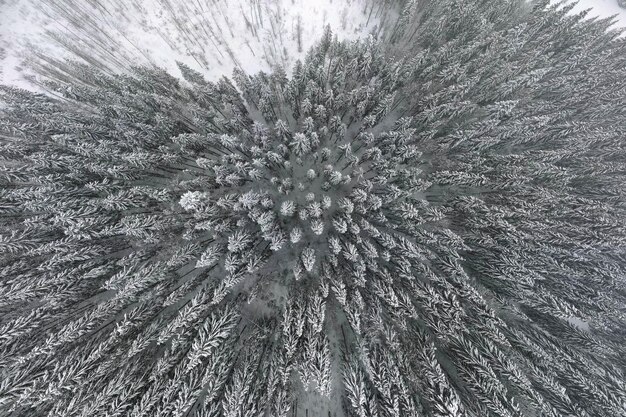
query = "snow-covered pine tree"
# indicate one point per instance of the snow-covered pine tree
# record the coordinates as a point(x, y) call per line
point(428, 223)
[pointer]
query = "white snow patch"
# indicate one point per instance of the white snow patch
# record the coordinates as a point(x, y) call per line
point(581, 324)
point(211, 36)
point(601, 9)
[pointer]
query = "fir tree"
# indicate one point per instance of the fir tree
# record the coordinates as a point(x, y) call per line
point(428, 223)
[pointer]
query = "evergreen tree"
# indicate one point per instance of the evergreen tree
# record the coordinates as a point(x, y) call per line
point(428, 223)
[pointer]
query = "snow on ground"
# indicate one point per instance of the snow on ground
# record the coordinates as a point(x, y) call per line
point(602, 9)
point(212, 36)
point(15, 25)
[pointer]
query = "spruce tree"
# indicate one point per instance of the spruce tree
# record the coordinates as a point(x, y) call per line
point(429, 223)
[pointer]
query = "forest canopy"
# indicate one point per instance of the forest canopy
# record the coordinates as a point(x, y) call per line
point(427, 222)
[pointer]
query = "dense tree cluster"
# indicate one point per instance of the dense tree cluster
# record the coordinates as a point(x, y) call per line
point(426, 224)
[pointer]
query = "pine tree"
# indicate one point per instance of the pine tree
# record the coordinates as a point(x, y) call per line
point(424, 222)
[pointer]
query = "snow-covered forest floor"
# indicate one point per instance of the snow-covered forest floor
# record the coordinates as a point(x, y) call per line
point(602, 9)
point(212, 36)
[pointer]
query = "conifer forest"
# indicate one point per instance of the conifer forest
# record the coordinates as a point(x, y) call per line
point(411, 208)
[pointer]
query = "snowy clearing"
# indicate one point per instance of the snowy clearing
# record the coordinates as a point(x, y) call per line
point(603, 9)
point(213, 37)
